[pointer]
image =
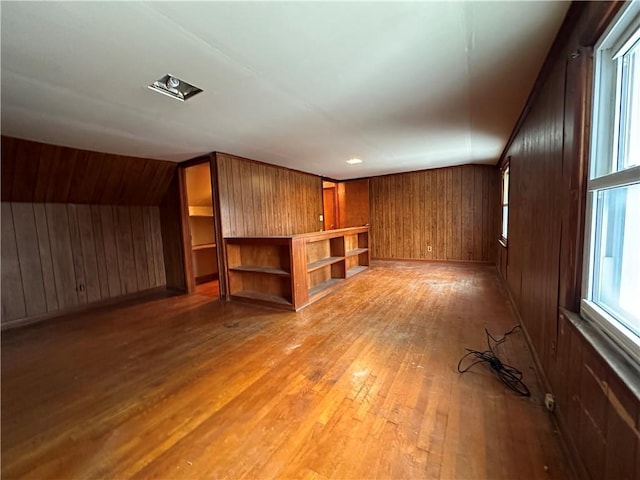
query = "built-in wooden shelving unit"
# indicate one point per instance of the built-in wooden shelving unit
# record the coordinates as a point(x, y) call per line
point(203, 247)
point(292, 272)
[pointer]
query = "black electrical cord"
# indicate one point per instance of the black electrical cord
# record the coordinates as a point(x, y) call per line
point(508, 375)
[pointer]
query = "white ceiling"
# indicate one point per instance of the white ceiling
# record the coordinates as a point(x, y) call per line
point(306, 85)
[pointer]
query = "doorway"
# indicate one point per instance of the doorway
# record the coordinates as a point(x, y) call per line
point(330, 205)
point(202, 229)
point(345, 203)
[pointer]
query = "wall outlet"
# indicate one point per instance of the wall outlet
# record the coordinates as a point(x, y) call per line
point(429, 248)
point(549, 402)
point(321, 218)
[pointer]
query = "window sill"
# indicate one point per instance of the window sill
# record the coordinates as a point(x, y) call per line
point(617, 359)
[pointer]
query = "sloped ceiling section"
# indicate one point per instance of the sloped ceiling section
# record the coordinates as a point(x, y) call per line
point(306, 85)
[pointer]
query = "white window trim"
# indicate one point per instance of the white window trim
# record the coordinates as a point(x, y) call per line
point(507, 166)
point(613, 39)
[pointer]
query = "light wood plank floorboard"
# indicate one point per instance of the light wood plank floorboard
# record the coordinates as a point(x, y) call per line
point(361, 384)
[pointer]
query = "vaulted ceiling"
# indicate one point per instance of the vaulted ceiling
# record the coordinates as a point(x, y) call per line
point(306, 85)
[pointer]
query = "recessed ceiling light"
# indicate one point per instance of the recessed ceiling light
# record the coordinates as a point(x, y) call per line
point(353, 161)
point(174, 87)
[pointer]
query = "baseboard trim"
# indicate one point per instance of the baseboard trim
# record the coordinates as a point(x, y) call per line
point(433, 260)
point(150, 292)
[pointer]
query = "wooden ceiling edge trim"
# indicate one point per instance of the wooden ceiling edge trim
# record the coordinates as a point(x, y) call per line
point(592, 30)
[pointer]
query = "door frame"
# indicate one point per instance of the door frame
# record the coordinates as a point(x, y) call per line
point(190, 280)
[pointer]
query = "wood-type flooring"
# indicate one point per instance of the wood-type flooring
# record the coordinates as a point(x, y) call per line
point(361, 384)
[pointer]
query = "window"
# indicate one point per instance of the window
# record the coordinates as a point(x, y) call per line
point(611, 288)
point(505, 204)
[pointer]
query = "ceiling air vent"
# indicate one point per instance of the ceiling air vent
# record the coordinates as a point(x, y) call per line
point(174, 88)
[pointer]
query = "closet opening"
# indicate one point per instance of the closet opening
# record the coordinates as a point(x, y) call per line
point(202, 238)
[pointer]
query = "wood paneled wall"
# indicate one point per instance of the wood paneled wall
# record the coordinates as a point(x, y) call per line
point(599, 414)
point(43, 173)
point(176, 242)
point(353, 203)
point(78, 227)
point(56, 257)
point(535, 206)
point(450, 209)
point(261, 199)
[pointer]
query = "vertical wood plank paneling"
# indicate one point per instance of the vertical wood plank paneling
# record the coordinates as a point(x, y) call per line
point(535, 173)
point(89, 256)
point(415, 218)
point(101, 260)
point(622, 439)
point(78, 256)
point(62, 255)
point(237, 180)
point(111, 250)
point(354, 203)
point(425, 213)
point(124, 243)
point(455, 237)
point(139, 248)
point(477, 213)
point(260, 199)
point(46, 262)
point(29, 257)
point(467, 220)
point(488, 230)
point(13, 305)
point(441, 212)
point(227, 206)
point(438, 208)
point(172, 241)
point(548, 163)
point(398, 220)
point(158, 246)
point(433, 189)
point(148, 246)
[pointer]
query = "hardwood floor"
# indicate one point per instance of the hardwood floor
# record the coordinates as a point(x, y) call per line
point(209, 289)
point(361, 384)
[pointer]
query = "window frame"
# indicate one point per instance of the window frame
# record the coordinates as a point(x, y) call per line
point(616, 40)
point(505, 170)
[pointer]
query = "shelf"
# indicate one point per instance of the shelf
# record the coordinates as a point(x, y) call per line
point(204, 246)
point(352, 271)
point(293, 271)
point(269, 270)
point(323, 263)
point(355, 251)
point(323, 286)
point(261, 297)
point(200, 211)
